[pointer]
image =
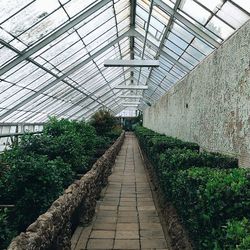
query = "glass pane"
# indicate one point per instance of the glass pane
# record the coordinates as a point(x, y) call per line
point(195, 11)
point(219, 28)
point(213, 5)
point(44, 27)
point(31, 15)
point(6, 55)
point(232, 15)
point(245, 4)
point(73, 7)
point(9, 8)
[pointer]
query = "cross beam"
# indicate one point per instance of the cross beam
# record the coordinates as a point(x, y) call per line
point(131, 63)
point(130, 96)
point(131, 87)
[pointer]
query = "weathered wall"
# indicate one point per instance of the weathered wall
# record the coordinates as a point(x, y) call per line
point(217, 93)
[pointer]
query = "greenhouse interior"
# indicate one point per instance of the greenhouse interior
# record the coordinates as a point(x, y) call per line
point(124, 124)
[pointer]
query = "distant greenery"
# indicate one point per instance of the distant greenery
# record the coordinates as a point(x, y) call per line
point(35, 171)
point(105, 124)
point(209, 191)
point(73, 141)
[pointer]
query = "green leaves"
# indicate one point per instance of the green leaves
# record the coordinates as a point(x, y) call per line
point(208, 190)
point(37, 170)
point(7, 232)
point(74, 142)
point(32, 184)
point(235, 235)
point(103, 122)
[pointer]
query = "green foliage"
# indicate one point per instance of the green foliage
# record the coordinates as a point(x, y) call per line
point(179, 158)
point(38, 168)
point(74, 142)
point(7, 232)
point(206, 198)
point(211, 195)
point(236, 235)
point(32, 183)
point(157, 143)
point(103, 122)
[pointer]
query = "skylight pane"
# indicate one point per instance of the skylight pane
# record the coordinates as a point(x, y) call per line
point(44, 27)
point(32, 15)
point(219, 28)
point(213, 5)
point(4, 35)
point(10, 7)
point(181, 32)
point(74, 7)
point(6, 55)
point(195, 11)
point(232, 15)
point(201, 46)
point(245, 4)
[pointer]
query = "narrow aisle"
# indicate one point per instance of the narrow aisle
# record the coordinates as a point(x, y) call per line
point(126, 216)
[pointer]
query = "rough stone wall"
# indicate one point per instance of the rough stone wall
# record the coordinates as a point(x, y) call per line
point(211, 106)
point(52, 230)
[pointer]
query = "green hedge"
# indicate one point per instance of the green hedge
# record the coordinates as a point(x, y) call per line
point(235, 235)
point(206, 198)
point(75, 142)
point(38, 168)
point(179, 158)
point(209, 191)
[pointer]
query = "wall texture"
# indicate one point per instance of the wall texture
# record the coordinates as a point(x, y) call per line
point(211, 106)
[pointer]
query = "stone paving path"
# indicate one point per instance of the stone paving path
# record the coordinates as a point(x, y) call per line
point(126, 217)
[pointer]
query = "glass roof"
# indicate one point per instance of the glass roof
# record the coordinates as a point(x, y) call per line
point(52, 52)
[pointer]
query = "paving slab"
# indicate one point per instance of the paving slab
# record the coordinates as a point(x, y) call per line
point(126, 216)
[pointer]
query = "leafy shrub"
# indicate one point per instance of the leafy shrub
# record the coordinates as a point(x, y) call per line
point(160, 144)
point(103, 122)
point(38, 168)
point(155, 143)
point(211, 195)
point(176, 159)
point(7, 232)
point(74, 142)
point(32, 183)
point(206, 198)
point(236, 235)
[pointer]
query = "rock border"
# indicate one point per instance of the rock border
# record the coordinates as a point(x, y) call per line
point(52, 230)
point(178, 235)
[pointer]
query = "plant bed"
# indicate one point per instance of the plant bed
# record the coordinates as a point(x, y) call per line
point(36, 170)
point(178, 235)
point(52, 230)
point(209, 192)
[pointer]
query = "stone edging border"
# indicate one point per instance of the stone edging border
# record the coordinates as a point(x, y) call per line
point(178, 235)
point(52, 230)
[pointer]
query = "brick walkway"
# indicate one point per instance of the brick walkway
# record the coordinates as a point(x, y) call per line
point(126, 217)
